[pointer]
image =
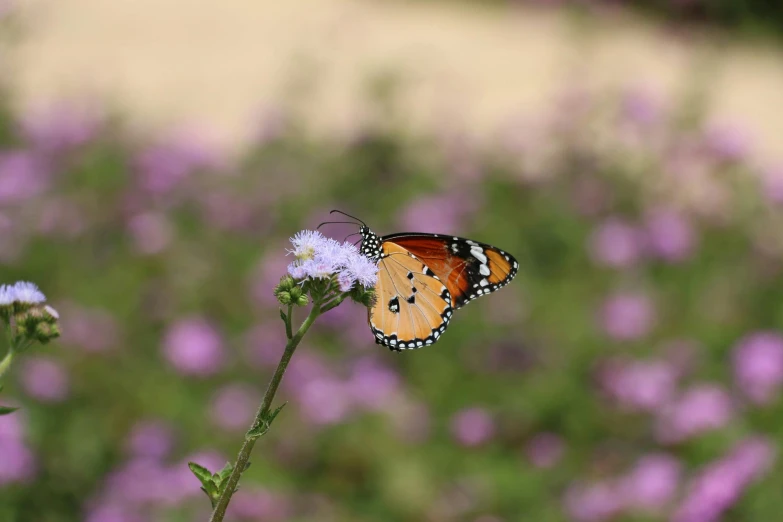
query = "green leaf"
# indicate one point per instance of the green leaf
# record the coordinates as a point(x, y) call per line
point(260, 428)
point(223, 474)
point(283, 316)
point(200, 471)
point(5, 410)
point(208, 484)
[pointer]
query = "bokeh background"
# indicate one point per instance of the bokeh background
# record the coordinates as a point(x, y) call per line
point(156, 155)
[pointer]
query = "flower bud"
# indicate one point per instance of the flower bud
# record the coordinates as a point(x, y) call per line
point(45, 332)
point(302, 300)
point(284, 297)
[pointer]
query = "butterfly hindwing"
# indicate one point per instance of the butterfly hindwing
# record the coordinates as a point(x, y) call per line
point(468, 268)
point(413, 306)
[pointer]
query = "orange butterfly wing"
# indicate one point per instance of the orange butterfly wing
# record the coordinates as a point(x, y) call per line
point(412, 306)
point(469, 269)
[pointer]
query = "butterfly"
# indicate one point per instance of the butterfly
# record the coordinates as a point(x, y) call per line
point(423, 278)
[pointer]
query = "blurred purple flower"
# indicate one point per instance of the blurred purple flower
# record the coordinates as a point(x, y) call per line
point(166, 164)
point(17, 462)
point(591, 197)
point(92, 330)
point(227, 211)
point(23, 175)
point(701, 408)
point(150, 439)
point(472, 426)
point(592, 503)
point(442, 213)
point(721, 484)
point(639, 385)
point(113, 512)
point(652, 484)
point(627, 316)
point(61, 217)
point(372, 384)
point(194, 347)
point(758, 366)
point(264, 345)
point(151, 232)
point(772, 184)
point(615, 243)
point(640, 107)
point(306, 367)
point(325, 400)
point(728, 142)
point(670, 236)
point(254, 503)
point(45, 380)
point(60, 127)
point(233, 406)
point(268, 273)
point(143, 481)
point(545, 450)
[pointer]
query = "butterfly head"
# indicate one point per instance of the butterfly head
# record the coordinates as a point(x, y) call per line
point(371, 243)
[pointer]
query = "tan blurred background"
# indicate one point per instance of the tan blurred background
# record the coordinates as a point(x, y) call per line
point(175, 61)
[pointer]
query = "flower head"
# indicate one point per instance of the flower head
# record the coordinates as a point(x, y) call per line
point(27, 293)
point(319, 257)
point(7, 295)
point(306, 244)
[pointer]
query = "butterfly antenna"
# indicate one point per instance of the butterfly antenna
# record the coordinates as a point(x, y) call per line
point(349, 235)
point(337, 222)
point(348, 215)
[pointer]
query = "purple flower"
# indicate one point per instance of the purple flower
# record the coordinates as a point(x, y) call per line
point(615, 243)
point(164, 166)
point(151, 232)
point(325, 400)
point(639, 385)
point(641, 108)
point(545, 450)
point(113, 512)
point(322, 257)
point(437, 213)
point(234, 406)
point(728, 143)
point(254, 503)
point(306, 244)
point(701, 408)
point(267, 276)
point(652, 484)
point(60, 127)
point(372, 384)
point(17, 462)
point(758, 366)
point(472, 426)
point(26, 292)
point(772, 183)
point(720, 485)
point(23, 175)
point(593, 503)
point(194, 347)
point(45, 380)
point(150, 439)
point(264, 345)
point(92, 330)
point(627, 316)
point(670, 236)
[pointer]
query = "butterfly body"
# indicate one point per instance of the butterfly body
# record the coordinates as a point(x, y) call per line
point(423, 278)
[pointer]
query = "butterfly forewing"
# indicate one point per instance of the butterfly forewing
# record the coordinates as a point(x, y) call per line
point(413, 306)
point(468, 268)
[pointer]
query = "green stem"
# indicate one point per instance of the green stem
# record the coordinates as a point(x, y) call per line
point(247, 447)
point(288, 322)
point(6, 362)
